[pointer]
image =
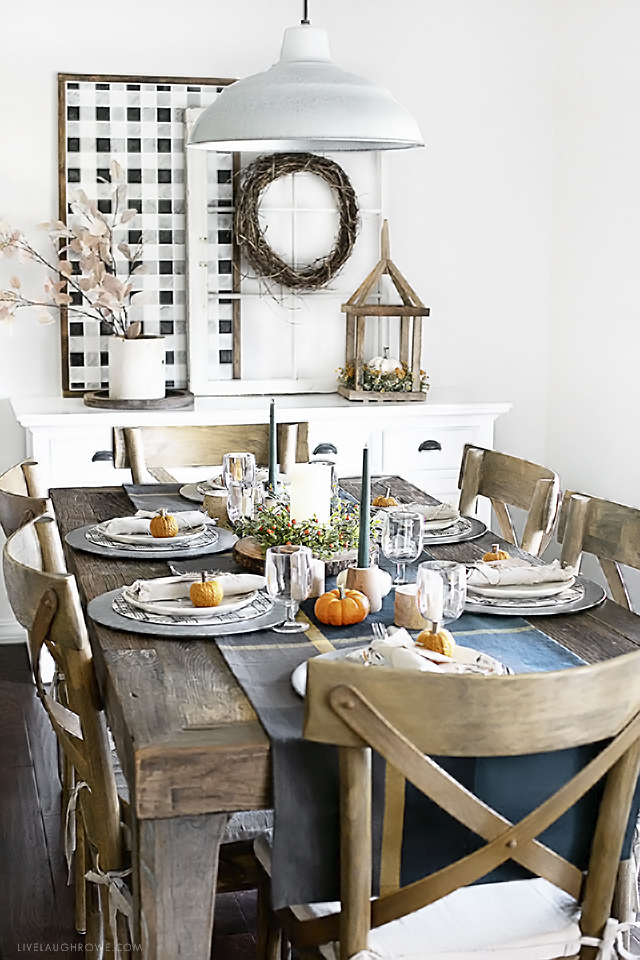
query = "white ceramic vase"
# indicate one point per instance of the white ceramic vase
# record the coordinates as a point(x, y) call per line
point(136, 368)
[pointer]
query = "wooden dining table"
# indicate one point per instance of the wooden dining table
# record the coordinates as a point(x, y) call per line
point(190, 743)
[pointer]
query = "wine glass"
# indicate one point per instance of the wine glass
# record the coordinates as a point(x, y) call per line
point(442, 590)
point(238, 468)
point(402, 540)
point(289, 575)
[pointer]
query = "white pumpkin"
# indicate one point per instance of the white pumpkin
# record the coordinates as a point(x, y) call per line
point(385, 581)
point(384, 364)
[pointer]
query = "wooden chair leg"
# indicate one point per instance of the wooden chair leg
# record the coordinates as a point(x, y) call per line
point(80, 884)
point(93, 939)
point(269, 947)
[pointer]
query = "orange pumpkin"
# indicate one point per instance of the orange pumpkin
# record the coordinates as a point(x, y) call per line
point(163, 525)
point(384, 502)
point(440, 642)
point(205, 593)
point(496, 554)
point(341, 607)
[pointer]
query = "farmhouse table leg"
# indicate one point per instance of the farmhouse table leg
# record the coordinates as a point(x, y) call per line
point(175, 866)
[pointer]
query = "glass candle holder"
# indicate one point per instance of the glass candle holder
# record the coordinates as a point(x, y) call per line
point(442, 590)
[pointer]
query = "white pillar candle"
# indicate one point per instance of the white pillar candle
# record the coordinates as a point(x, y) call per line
point(310, 492)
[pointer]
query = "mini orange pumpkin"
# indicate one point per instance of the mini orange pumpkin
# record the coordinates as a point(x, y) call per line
point(440, 642)
point(384, 502)
point(205, 593)
point(496, 554)
point(341, 607)
point(163, 525)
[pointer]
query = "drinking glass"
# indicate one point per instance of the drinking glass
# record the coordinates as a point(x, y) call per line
point(243, 500)
point(238, 468)
point(442, 590)
point(289, 575)
point(402, 540)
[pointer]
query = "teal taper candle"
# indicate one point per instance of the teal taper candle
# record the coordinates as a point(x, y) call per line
point(365, 511)
point(273, 449)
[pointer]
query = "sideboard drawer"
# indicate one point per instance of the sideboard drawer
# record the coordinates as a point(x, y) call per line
point(441, 447)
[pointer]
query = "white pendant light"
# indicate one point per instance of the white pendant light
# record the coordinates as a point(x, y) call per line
point(305, 103)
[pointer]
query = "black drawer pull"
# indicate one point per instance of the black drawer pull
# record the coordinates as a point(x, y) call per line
point(102, 455)
point(430, 445)
point(325, 448)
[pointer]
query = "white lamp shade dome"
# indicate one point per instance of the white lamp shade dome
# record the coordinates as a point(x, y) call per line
point(305, 103)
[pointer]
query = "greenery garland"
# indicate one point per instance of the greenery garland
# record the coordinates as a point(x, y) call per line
point(273, 526)
point(265, 261)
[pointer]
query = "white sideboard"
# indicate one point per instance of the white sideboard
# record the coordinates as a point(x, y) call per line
point(64, 435)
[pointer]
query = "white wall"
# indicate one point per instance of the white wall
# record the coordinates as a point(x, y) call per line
point(517, 223)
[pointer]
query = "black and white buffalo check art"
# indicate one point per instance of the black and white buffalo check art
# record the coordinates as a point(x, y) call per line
point(140, 123)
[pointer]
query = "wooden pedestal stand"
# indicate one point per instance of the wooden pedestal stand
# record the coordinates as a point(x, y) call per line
point(410, 312)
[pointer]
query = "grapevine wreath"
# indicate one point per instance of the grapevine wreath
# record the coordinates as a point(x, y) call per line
point(265, 261)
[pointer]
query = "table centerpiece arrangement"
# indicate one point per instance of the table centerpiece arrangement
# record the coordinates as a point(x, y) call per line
point(335, 542)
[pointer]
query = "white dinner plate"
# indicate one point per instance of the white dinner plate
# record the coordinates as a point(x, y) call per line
point(178, 608)
point(190, 492)
point(148, 540)
point(357, 655)
point(439, 524)
point(523, 590)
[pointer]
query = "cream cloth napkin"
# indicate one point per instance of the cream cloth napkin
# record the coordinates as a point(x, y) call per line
point(516, 572)
point(177, 588)
point(439, 511)
point(398, 649)
point(139, 523)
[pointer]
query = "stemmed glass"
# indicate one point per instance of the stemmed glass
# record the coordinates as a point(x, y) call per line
point(238, 468)
point(442, 590)
point(402, 540)
point(289, 575)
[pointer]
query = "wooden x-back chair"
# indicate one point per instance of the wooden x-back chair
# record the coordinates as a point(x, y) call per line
point(149, 450)
point(22, 496)
point(610, 531)
point(47, 605)
point(509, 481)
point(410, 718)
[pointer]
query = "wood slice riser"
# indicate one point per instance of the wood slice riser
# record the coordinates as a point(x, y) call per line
point(249, 554)
point(174, 400)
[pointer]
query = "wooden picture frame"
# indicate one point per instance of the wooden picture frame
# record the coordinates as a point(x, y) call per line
point(137, 120)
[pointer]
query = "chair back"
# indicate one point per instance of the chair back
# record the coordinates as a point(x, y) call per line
point(410, 718)
point(149, 450)
point(611, 531)
point(509, 481)
point(48, 606)
point(22, 496)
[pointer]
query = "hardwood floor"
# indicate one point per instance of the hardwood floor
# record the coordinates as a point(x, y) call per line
point(36, 904)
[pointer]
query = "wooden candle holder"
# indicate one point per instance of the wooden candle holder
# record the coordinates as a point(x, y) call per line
point(410, 311)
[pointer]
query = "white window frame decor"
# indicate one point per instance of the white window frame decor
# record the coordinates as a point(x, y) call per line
point(281, 341)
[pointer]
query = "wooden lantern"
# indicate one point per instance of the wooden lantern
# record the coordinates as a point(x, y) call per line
point(410, 311)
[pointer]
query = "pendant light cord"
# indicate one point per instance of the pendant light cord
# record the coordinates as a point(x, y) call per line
point(305, 16)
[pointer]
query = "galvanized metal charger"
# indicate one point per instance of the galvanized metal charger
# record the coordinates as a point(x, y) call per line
point(466, 528)
point(77, 540)
point(101, 610)
point(590, 595)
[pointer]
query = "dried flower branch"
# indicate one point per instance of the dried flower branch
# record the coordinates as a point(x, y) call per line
point(85, 275)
